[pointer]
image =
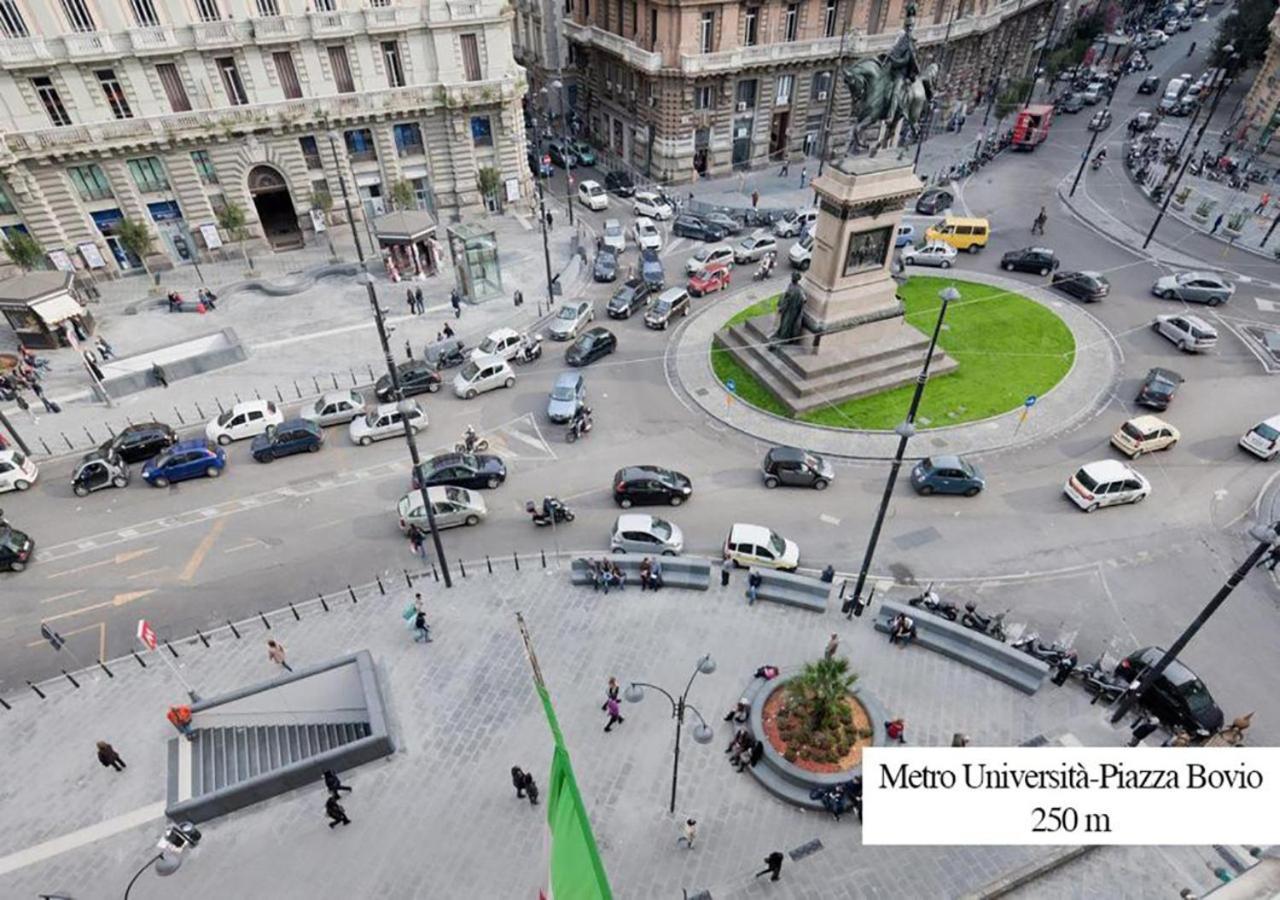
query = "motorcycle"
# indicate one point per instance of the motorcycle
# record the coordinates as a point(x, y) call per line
point(992, 626)
point(530, 349)
point(559, 512)
point(1104, 686)
point(579, 427)
point(1048, 653)
point(930, 601)
point(764, 270)
point(470, 443)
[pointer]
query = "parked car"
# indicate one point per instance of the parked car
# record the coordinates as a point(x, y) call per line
point(794, 221)
point(1194, 287)
point(573, 316)
point(645, 485)
point(614, 236)
point(934, 201)
point(98, 470)
point(938, 254)
point(794, 467)
point(649, 535)
point(334, 408)
point(590, 346)
point(1263, 439)
point(1072, 103)
point(905, 236)
point(1086, 286)
point(633, 295)
point(651, 270)
point(755, 545)
point(711, 278)
point(605, 267)
point(16, 548)
point(1189, 333)
point(385, 421)
point(17, 471)
point(185, 460)
point(482, 374)
point(1144, 434)
point(592, 195)
point(1177, 697)
point(450, 507)
point(138, 443)
point(584, 152)
point(670, 303)
point(539, 163)
point(726, 222)
point(503, 342)
point(699, 229)
point(1039, 260)
point(416, 376)
point(1107, 482)
point(648, 237)
point(719, 255)
point(1100, 120)
point(750, 249)
point(476, 471)
point(289, 437)
point(947, 475)
point(801, 253)
point(1158, 388)
point(244, 420)
point(620, 183)
point(568, 395)
point(561, 155)
point(650, 205)
point(1144, 122)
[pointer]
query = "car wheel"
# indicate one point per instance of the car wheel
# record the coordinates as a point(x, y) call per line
point(1216, 301)
point(974, 248)
point(621, 551)
point(510, 382)
point(1173, 443)
point(433, 387)
point(668, 553)
point(944, 264)
point(804, 266)
point(81, 490)
point(926, 490)
point(119, 481)
point(625, 502)
point(1155, 326)
point(771, 482)
point(472, 520)
point(972, 492)
point(1091, 507)
point(1165, 294)
point(1008, 267)
point(820, 484)
point(677, 500)
point(264, 457)
point(160, 482)
point(1138, 499)
point(1182, 345)
point(21, 485)
point(493, 481)
point(471, 392)
point(366, 441)
point(224, 439)
point(314, 448)
point(214, 471)
point(1044, 273)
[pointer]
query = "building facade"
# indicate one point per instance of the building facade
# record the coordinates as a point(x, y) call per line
point(674, 87)
point(170, 112)
point(1261, 108)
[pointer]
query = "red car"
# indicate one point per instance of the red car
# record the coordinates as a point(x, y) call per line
point(710, 279)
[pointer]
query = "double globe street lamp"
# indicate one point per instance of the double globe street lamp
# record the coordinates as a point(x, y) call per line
point(702, 732)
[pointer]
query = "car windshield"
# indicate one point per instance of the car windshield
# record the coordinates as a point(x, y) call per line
point(371, 418)
point(457, 495)
point(777, 544)
point(225, 417)
point(1086, 482)
point(1161, 386)
point(662, 307)
point(702, 255)
point(470, 371)
point(1196, 695)
point(1264, 431)
point(18, 459)
point(489, 344)
point(1133, 431)
point(11, 538)
point(646, 228)
point(568, 313)
point(563, 392)
point(613, 230)
point(807, 242)
point(586, 340)
point(661, 529)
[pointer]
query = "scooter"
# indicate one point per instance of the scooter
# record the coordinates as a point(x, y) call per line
point(992, 626)
point(530, 349)
point(763, 271)
point(559, 512)
point(470, 443)
point(1049, 653)
point(579, 427)
point(1105, 687)
point(930, 601)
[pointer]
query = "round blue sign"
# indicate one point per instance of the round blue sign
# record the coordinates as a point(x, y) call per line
point(1030, 401)
point(729, 383)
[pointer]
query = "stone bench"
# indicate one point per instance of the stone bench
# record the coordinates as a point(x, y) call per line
point(984, 653)
point(803, 591)
point(677, 571)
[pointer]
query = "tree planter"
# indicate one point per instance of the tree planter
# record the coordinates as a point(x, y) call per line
point(1179, 206)
point(1201, 219)
point(1232, 233)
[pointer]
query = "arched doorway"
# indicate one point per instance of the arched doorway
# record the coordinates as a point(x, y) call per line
point(271, 198)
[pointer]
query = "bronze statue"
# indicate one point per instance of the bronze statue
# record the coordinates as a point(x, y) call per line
point(790, 313)
point(889, 90)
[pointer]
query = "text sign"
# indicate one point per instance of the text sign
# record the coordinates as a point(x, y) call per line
point(147, 634)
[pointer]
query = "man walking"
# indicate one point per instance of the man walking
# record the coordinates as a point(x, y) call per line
point(773, 864)
point(832, 646)
point(420, 301)
point(755, 199)
point(455, 300)
point(726, 567)
point(1262, 204)
point(786, 169)
point(615, 713)
point(688, 833)
point(25, 407)
point(337, 815)
point(334, 783)
point(109, 758)
point(1217, 223)
point(275, 653)
point(1037, 226)
point(1141, 728)
point(804, 173)
point(49, 405)
point(409, 298)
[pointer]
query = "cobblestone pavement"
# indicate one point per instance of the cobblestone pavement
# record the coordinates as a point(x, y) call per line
point(439, 819)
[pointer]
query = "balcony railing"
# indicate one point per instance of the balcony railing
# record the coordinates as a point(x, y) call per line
point(382, 18)
point(156, 37)
point(629, 50)
point(90, 43)
point(362, 155)
point(760, 55)
point(24, 50)
point(418, 149)
point(329, 24)
point(215, 34)
point(276, 28)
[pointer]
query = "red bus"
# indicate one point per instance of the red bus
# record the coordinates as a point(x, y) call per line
point(1032, 126)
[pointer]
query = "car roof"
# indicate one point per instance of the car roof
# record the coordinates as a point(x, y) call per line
point(570, 378)
point(144, 426)
point(500, 333)
point(629, 473)
point(1107, 470)
point(192, 444)
point(1148, 423)
point(438, 492)
point(746, 531)
point(488, 359)
point(1177, 672)
point(635, 522)
point(596, 332)
point(1198, 322)
point(384, 408)
point(246, 405)
point(786, 453)
point(335, 396)
point(671, 294)
point(297, 423)
point(612, 223)
point(645, 220)
point(590, 183)
point(446, 459)
point(648, 195)
point(947, 462)
point(1166, 374)
point(632, 283)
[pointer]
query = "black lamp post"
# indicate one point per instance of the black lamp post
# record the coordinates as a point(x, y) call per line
point(853, 606)
point(702, 732)
point(542, 213)
point(1044, 48)
point(564, 133)
point(403, 405)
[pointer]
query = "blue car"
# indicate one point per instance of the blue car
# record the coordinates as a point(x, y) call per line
point(651, 270)
point(946, 475)
point(289, 437)
point(906, 236)
point(185, 460)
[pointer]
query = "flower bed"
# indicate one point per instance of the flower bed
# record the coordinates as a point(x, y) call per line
point(836, 750)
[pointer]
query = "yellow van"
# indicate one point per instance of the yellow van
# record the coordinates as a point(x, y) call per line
point(963, 234)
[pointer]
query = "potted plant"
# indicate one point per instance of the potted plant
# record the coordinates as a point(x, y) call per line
point(1179, 200)
point(1201, 214)
point(1235, 223)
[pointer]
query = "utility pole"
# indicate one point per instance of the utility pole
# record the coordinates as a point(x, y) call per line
point(4, 420)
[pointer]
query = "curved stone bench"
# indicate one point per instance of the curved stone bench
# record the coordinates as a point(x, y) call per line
point(790, 589)
point(677, 571)
point(986, 654)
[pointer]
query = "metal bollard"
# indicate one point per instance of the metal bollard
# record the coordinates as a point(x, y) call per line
point(294, 610)
point(177, 412)
point(353, 594)
point(279, 396)
point(74, 683)
point(408, 579)
point(236, 394)
point(256, 394)
point(297, 390)
point(488, 563)
point(103, 667)
point(171, 650)
point(138, 658)
point(335, 380)
point(88, 434)
point(111, 431)
point(129, 419)
point(462, 567)
point(354, 380)
point(264, 620)
point(322, 603)
point(232, 626)
point(47, 451)
point(218, 400)
point(316, 383)
point(434, 573)
point(544, 558)
point(39, 692)
point(199, 411)
point(381, 589)
point(369, 369)
point(204, 640)
point(70, 446)
point(5, 705)
point(516, 557)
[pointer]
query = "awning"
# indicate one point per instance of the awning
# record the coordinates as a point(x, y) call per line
point(57, 309)
point(405, 226)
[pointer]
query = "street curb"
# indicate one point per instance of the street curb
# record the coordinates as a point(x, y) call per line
point(1024, 875)
point(1150, 253)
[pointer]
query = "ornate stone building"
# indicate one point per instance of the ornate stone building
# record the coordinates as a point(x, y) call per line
point(166, 111)
point(674, 86)
point(1261, 109)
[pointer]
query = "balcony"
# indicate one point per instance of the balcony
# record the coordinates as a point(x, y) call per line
point(760, 55)
point(20, 51)
point(215, 34)
point(156, 39)
point(89, 44)
point(332, 24)
point(391, 18)
point(628, 50)
point(270, 29)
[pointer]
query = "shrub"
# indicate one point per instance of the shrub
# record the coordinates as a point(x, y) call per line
point(1182, 196)
point(1205, 207)
point(1236, 220)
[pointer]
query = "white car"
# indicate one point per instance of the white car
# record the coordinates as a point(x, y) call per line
point(641, 533)
point(752, 248)
point(648, 237)
point(1107, 482)
point(17, 471)
point(794, 222)
point(935, 254)
point(717, 255)
point(244, 420)
point(592, 196)
point(755, 545)
point(483, 373)
point(384, 421)
point(614, 236)
point(1189, 333)
point(504, 342)
point(450, 506)
point(801, 253)
point(1263, 439)
point(650, 205)
point(572, 317)
point(334, 408)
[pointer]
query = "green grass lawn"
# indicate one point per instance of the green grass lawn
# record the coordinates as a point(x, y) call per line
point(1008, 347)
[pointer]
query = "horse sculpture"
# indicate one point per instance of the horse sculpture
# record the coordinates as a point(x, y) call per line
point(871, 90)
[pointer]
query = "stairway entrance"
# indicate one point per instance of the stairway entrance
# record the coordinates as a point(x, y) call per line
point(275, 208)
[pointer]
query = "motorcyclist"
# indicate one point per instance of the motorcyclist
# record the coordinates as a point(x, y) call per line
point(469, 438)
point(581, 418)
point(549, 505)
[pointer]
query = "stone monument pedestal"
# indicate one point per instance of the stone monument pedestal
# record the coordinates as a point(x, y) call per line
point(855, 340)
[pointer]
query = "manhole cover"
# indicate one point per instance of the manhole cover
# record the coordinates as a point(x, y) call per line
point(806, 849)
point(902, 574)
point(917, 538)
point(701, 392)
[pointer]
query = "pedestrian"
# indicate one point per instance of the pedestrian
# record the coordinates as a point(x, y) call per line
point(408, 350)
point(420, 625)
point(455, 300)
point(896, 729)
point(1142, 727)
point(409, 299)
point(209, 299)
point(337, 815)
point(109, 758)
point(832, 646)
point(334, 783)
point(416, 542)
point(688, 833)
point(447, 331)
point(1271, 560)
point(755, 199)
point(829, 574)
point(518, 781)
point(804, 173)
point(655, 575)
point(158, 375)
point(49, 405)
point(1037, 226)
point(615, 714)
point(180, 718)
point(518, 299)
point(772, 863)
point(726, 567)
point(646, 573)
point(1064, 668)
point(550, 220)
point(756, 753)
point(531, 788)
point(611, 693)
point(1217, 223)
point(105, 349)
point(92, 362)
point(854, 793)
point(959, 740)
point(1262, 204)
point(421, 302)
point(754, 580)
point(26, 408)
point(786, 169)
point(275, 653)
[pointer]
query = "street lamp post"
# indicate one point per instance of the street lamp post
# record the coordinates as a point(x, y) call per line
point(542, 216)
point(558, 84)
point(1111, 92)
point(1044, 48)
point(1266, 538)
point(853, 606)
point(402, 405)
point(702, 732)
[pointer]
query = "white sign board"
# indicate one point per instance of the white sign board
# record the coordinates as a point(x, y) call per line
point(92, 257)
point(61, 261)
point(212, 239)
point(317, 220)
point(513, 190)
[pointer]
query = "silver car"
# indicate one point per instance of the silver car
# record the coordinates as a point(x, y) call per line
point(451, 506)
point(334, 408)
point(640, 533)
point(1194, 287)
point(936, 254)
point(570, 319)
point(567, 397)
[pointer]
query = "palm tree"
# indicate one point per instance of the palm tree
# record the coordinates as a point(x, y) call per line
point(819, 692)
point(23, 250)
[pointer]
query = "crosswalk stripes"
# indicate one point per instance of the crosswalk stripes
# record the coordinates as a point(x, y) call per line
point(1266, 305)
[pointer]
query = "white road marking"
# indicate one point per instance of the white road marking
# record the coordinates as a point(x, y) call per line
point(830, 520)
point(1267, 305)
point(81, 837)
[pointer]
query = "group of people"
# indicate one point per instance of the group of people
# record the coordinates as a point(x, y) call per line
point(333, 807)
point(417, 303)
point(902, 630)
point(744, 750)
point(26, 376)
point(206, 300)
point(524, 784)
point(841, 798)
point(605, 574)
point(415, 615)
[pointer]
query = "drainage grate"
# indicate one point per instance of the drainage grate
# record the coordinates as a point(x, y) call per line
point(701, 392)
point(917, 538)
point(806, 849)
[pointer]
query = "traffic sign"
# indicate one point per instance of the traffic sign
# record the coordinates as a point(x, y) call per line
point(55, 640)
point(1030, 401)
point(147, 634)
point(731, 385)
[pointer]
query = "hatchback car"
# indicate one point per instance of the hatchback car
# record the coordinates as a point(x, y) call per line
point(751, 249)
point(1158, 388)
point(670, 303)
point(1100, 120)
point(1072, 103)
point(385, 421)
point(938, 254)
point(725, 222)
point(651, 270)
point(467, 470)
point(712, 278)
point(287, 438)
point(605, 267)
point(1194, 287)
point(1087, 286)
point(138, 443)
point(561, 155)
point(947, 475)
point(183, 461)
point(1039, 260)
point(795, 221)
point(97, 471)
point(794, 467)
point(590, 346)
point(721, 254)
point(646, 485)
point(620, 183)
point(573, 316)
point(592, 196)
point(585, 153)
point(16, 548)
point(633, 295)
point(647, 235)
point(650, 205)
point(934, 201)
point(17, 471)
point(640, 533)
point(696, 228)
point(1144, 434)
point(568, 395)
point(334, 408)
point(905, 235)
point(614, 236)
point(501, 342)
point(1263, 439)
point(244, 420)
point(450, 507)
point(1107, 482)
point(416, 376)
point(1188, 333)
point(801, 253)
point(1144, 122)
point(755, 545)
point(481, 374)
point(1177, 697)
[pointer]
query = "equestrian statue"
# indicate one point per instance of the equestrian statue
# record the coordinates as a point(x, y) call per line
point(889, 90)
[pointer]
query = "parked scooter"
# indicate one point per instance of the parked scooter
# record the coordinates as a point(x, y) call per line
point(1103, 685)
point(992, 626)
point(1049, 653)
point(552, 510)
point(529, 350)
point(930, 601)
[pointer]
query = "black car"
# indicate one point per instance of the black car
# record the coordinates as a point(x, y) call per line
point(641, 485)
point(934, 201)
point(590, 346)
point(620, 183)
point(692, 226)
point(651, 269)
point(416, 377)
point(626, 300)
point(141, 442)
point(1039, 260)
point(16, 548)
point(1158, 388)
point(795, 467)
point(606, 265)
point(1149, 85)
point(1086, 286)
point(1177, 697)
point(725, 221)
point(1072, 103)
point(467, 470)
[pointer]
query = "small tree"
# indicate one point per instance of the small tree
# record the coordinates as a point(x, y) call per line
point(231, 219)
point(23, 251)
point(1011, 98)
point(401, 196)
point(323, 201)
point(138, 240)
point(489, 180)
point(819, 691)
